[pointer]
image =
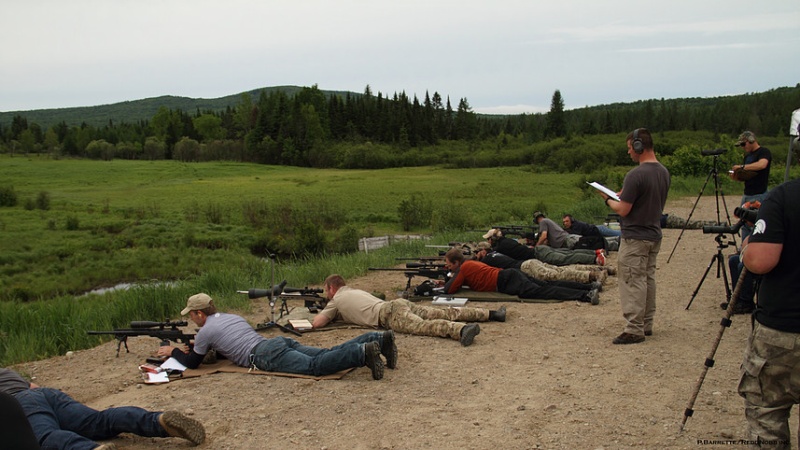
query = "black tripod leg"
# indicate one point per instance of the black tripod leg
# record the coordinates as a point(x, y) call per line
point(702, 189)
point(705, 274)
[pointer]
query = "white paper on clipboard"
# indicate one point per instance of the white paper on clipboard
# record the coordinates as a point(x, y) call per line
point(604, 189)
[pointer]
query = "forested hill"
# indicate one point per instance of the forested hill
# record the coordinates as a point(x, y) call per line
point(134, 111)
point(309, 127)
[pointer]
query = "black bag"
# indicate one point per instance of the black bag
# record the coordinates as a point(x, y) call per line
point(425, 289)
point(590, 243)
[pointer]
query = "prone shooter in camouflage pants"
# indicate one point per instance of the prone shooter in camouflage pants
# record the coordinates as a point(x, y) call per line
point(362, 308)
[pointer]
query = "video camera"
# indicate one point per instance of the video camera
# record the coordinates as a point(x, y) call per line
point(744, 215)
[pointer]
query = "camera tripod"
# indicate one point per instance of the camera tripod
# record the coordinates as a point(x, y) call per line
point(713, 173)
point(719, 258)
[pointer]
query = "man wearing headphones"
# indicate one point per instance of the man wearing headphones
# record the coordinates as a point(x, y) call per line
point(641, 200)
point(754, 172)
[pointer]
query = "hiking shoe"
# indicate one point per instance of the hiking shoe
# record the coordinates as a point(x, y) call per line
point(597, 285)
point(389, 349)
point(648, 332)
point(372, 359)
point(592, 296)
point(611, 270)
point(499, 315)
point(627, 338)
point(468, 333)
point(179, 425)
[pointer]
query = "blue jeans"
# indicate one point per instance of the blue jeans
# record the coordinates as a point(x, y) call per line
point(59, 422)
point(280, 354)
point(747, 291)
point(608, 232)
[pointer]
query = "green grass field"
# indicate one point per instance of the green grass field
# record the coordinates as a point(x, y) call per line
point(79, 225)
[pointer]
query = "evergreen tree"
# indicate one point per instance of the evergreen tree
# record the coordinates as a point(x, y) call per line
point(556, 122)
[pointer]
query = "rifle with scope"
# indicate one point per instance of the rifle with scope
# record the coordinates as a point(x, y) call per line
point(166, 331)
point(424, 269)
point(524, 231)
point(311, 298)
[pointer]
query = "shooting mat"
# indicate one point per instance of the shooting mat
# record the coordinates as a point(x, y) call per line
point(227, 366)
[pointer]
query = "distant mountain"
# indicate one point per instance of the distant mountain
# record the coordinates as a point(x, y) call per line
point(136, 110)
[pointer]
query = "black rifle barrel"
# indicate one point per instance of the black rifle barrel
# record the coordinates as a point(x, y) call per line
point(153, 324)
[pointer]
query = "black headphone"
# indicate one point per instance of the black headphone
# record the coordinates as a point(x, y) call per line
point(636, 142)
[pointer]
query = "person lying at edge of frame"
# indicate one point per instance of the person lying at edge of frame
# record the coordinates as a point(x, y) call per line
point(59, 421)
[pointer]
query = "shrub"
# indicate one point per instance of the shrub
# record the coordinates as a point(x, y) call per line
point(413, 212)
point(7, 196)
point(43, 201)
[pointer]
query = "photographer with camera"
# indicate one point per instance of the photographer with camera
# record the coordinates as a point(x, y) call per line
point(753, 172)
point(769, 383)
point(744, 303)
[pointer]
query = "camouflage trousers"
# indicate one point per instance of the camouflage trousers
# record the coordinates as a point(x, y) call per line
point(581, 273)
point(770, 385)
point(403, 316)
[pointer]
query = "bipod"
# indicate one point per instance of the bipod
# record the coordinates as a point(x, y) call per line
point(719, 258)
point(712, 173)
point(709, 362)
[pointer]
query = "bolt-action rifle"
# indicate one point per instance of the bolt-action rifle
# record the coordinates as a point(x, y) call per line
point(311, 298)
point(425, 269)
point(166, 331)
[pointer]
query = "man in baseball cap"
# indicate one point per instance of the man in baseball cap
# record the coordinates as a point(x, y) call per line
point(235, 339)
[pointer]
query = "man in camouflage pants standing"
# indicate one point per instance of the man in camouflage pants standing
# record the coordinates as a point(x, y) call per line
point(362, 308)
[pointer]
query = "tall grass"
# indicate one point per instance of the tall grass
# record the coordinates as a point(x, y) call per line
point(35, 330)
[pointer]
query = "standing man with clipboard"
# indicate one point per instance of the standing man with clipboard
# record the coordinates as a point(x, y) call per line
point(639, 204)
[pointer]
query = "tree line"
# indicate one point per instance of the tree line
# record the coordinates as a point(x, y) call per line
point(312, 128)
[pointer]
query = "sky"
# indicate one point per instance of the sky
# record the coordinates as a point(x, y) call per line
point(502, 56)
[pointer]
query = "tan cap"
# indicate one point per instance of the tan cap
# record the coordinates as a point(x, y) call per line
point(196, 303)
point(493, 233)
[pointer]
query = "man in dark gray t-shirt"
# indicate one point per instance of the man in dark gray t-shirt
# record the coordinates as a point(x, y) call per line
point(641, 201)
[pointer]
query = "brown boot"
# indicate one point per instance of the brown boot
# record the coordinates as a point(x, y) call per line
point(179, 425)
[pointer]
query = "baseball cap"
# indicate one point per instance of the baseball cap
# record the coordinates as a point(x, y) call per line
point(196, 303)
point(537, 214)
point(745, 137)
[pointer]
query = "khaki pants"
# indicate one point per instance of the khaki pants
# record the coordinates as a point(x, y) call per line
point(637, 284)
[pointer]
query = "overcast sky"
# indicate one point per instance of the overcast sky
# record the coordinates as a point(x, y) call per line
point(503, 56)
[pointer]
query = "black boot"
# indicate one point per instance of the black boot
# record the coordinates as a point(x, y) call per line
point(499, 315)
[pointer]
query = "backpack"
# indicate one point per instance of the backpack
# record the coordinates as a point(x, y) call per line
point(590, 243)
